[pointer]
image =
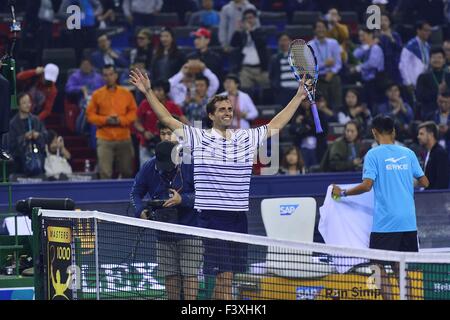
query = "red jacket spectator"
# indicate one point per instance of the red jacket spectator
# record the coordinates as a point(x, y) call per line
point(149, 119)
point(39, 83)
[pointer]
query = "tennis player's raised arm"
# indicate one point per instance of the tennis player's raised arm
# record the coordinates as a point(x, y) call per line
point(285, 115)
point(143, 84)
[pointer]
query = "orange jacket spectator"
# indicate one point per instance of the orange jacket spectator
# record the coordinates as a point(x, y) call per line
point(39, 83)
point(340, 33)
point(106, 103)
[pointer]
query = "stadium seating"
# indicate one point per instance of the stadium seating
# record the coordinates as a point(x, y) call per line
point(277, 19)
point(64, 58)
point(305, 32)
point(306, 17)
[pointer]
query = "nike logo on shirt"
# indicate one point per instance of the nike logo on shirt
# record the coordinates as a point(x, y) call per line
point(394, 160)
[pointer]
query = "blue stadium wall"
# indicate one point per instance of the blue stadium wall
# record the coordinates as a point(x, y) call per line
point(433, 207)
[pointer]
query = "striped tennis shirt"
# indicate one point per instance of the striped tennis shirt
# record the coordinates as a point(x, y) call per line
point(223, 167)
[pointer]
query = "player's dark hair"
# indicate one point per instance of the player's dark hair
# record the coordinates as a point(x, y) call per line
point(383, 124)
point(211, 106)
point(430, 127)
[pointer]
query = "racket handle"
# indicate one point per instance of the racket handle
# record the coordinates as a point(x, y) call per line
point(316, 117)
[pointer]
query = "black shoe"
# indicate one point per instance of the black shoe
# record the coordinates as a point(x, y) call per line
point(4, 155)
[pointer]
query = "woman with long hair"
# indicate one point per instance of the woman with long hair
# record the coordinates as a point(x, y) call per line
point(354, 110)
point(168, 59)
point(292, 162)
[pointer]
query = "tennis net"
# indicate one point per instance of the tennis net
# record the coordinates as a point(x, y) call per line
point(95, 255)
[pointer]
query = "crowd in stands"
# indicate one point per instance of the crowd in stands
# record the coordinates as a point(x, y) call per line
point(194, 49)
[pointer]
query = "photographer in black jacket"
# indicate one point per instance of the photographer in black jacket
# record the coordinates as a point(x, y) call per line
point(171, 187)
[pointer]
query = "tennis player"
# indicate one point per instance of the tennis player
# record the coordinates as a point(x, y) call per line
point(223, 160)
point(390, 170)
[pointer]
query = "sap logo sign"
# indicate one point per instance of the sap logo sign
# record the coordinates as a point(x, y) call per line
point(308, 293)
point(287, 209)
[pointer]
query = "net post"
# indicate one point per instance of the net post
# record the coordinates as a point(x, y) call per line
point(403, 282)
point(78, 262)
point(97, 273)
point(38, 281)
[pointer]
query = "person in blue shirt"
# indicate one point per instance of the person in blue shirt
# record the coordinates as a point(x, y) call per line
point(390, 170)
point(372, 64)
point(328, 55)
point(179, 258)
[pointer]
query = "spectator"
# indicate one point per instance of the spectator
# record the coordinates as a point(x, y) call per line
point(211, 59)
point(431, 82)
point(415, 55)
point(182, 85)
point(282, 79)
point(244, 109)
point(26, 132)
point(105, 55)
point(108, 15)
point(83, 82)
point(40, 84)
point(292, 163)
point(372, 62)
point(141, 12)
point(345, 154)
point(194, 107)
point(338, 31)
point(399, 110)
point(251, 59)
point(312, 145)
point(322, 105)
point(143, 50)
point(168, 59)
point(231, 20)
point(56, 164)
point(436, 162)
point(113, 109)
point(207, 17)
point(328, 55)
point(391, 44)
point(442, 118)
point(356, 111)
point(446, 48)
point(146, 122)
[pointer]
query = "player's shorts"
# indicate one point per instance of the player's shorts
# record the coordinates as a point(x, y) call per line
point(179, 258)
point(224, 256)
point(394, 241)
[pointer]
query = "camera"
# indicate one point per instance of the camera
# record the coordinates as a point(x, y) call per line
point(157, 212)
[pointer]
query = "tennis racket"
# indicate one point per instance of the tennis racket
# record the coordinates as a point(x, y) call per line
point(304, 66)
